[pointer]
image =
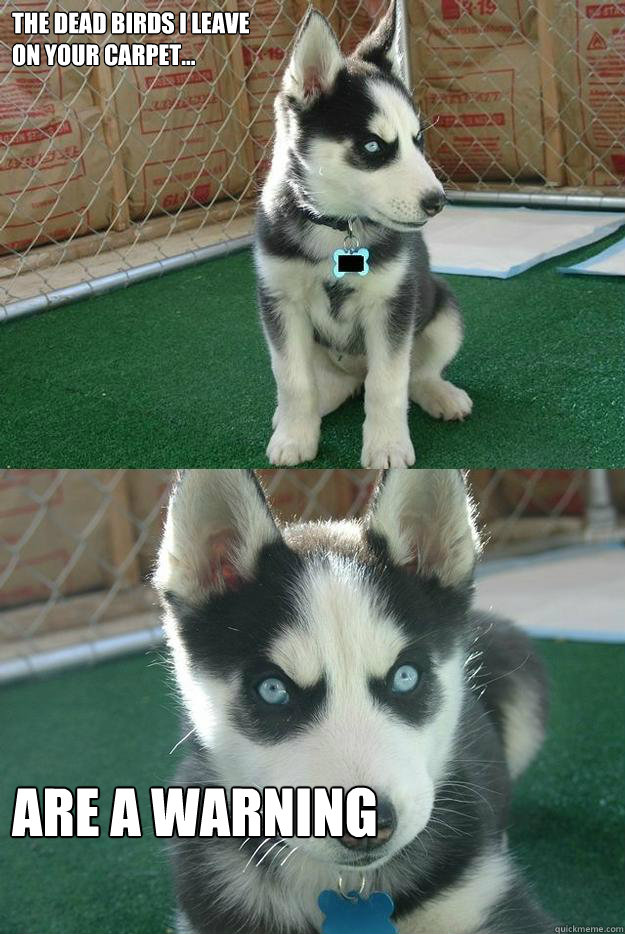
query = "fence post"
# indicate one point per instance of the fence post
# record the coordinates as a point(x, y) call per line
point(101, 80)
point(600, 511)
point(404, 45)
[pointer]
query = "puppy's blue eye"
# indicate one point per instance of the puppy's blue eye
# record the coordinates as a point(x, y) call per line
point(405, 679)
point(273, 691)
point(372, 146)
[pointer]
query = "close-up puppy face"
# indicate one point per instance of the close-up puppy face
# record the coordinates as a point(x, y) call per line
point(306, 655)
point(356, 139)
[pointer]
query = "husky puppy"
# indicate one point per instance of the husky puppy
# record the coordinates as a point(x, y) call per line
point(347, 654)
point(349, 145)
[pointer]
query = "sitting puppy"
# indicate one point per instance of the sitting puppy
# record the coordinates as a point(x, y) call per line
point(347, 654)
point(349, 175)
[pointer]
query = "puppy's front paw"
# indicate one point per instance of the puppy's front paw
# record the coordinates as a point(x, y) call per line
point(383, 450)
point(292, 444)
point(441, 399)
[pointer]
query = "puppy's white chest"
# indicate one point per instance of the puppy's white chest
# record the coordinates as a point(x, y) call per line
point(336, 308)
point(342, 304)
point(340, 309)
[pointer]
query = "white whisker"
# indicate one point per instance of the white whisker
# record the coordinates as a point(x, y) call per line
point(288, 856)
point(260, 845)
point(267, 852)
point(278, 853)
point(180, 742)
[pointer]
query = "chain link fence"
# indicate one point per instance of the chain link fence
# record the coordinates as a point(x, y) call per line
point(77, 546)
point(112, 174)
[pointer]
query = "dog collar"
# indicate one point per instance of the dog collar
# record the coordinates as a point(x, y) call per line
point(352, 258)
point(336, 223)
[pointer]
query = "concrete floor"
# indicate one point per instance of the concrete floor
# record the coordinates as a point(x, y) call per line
point(576, 593)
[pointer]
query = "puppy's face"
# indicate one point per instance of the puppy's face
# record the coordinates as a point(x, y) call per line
point(321, 656)
point(355, 136)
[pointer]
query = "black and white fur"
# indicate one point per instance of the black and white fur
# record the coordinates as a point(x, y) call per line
point(395, 329)
point(332, 609)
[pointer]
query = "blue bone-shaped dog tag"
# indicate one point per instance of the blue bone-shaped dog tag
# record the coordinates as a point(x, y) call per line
point(351, 261)
point(357, 915)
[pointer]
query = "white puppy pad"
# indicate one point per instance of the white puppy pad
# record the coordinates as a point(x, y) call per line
point(574, 593)
point(502, 242)
point(610, 262)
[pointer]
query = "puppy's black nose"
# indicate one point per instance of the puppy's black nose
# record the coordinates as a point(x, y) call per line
point(387, 821)
point(433, 202)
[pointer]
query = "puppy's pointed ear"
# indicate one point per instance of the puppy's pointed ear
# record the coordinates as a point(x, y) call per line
point(382, 46)
point(315, 61)
point(426, 518)
point(217, 522)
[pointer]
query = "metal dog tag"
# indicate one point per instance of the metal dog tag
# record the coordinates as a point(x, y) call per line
point(352, 258)
point(351, 261)
point(353, 914)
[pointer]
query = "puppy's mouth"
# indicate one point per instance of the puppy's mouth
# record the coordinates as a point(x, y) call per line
point(374, 858)
point(362, 863)
point(346, 861)
point(397, 225)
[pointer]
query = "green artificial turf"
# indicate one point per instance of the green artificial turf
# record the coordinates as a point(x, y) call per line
point(115, 724)
point(174, 372)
